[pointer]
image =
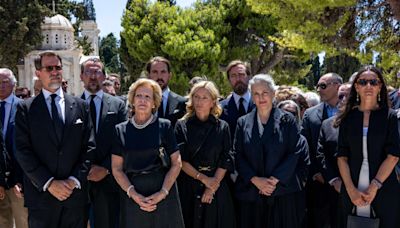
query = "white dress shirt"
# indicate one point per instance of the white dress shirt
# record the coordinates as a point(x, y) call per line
point(246, 101)
point(97, 103)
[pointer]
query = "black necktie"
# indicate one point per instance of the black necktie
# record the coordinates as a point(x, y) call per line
point(2, 112)
point(161, 109)
point(93, 113)
point(57, 120)
point(242, 111)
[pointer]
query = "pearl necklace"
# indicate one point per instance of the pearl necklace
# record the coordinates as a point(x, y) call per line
point(141, 126)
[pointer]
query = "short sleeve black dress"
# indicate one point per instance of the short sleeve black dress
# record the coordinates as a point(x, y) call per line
point(142, 164)
point(206, 146)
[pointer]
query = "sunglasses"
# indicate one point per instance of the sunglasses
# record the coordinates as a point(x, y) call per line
point(324, 85)
point(51, 68)
point(371, 82)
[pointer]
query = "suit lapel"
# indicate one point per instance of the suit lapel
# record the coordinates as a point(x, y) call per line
point(105, 104)
point(70, 112)
point(320, 113)
point(44, 117)
point(233, 111)
point(171, 104)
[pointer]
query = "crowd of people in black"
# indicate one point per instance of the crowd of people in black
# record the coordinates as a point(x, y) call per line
point(265, 156)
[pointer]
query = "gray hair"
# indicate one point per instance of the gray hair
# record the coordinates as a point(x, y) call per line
point(290, 102)
point(264, 79)
point(10, 74)
point(312, 98)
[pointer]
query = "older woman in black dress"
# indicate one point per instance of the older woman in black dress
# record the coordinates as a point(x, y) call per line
point(151, 198)
point(205, 143)
point(368, 150)
point(267, 147)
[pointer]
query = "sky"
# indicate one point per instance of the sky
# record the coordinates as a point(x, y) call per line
point(109, 13)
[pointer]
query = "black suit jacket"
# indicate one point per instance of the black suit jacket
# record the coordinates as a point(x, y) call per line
point(327, 149)
point(276, 153)
point(42, 156)
point(395, 99)
point(230, 112)
point(176, 108)
point(311, 125)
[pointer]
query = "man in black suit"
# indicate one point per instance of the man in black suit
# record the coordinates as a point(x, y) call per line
point(172, 105)
point(239, 102)
point(106, 111)
point(316, 187)
point(54, 137)
point(326, 156)
point(12, 208)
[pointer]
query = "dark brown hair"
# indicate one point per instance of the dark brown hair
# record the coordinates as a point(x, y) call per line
point(38, 59)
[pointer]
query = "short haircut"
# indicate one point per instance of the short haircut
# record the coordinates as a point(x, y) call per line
point(113, 75)
point(236, 63)
point(108, 83)
point(10, 74)
point(264, 79)
point(158, 59)
point(212, 89)
point(334, 77)
point(95, 60)
point(157, 93)
point(38, 59)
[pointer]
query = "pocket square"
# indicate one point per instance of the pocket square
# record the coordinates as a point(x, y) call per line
point(78, 121)
point(110, 113)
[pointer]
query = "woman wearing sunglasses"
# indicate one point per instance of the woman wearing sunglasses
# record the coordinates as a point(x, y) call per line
point(368, 150)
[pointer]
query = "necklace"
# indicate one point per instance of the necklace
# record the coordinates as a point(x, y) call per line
point(141, 126)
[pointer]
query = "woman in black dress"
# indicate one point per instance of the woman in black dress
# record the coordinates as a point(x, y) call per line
point(151, 199)
point(205, 143)
point(267, 150)
point(368, 150)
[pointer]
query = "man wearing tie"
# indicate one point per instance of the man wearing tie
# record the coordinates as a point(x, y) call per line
point(239, 102)
point(53, 138)
point(11, 197)
point(106, 111)
point(172, 105)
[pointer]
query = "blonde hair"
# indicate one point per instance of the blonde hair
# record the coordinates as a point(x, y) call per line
point(212, 89)
point(157, 93)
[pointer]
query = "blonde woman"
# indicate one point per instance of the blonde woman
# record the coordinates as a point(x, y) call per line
point(205, 142)
point(151, 199)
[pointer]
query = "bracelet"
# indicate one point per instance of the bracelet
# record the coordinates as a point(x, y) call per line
point(166, 192)
point(197, 176)
point(377, 183)
point(129, 188)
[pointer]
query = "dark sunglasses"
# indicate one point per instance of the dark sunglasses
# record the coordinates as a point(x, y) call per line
point(51, 68)
point(372, 82)
point(324, 85)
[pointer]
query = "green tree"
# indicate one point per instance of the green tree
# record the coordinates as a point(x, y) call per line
point(19, 29)
point(108, 51)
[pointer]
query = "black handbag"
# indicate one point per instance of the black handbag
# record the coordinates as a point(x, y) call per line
point(354, 221)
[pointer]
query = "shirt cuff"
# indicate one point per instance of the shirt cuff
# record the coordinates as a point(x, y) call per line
point(78, 184)
point(333, 180)
point(47, 184)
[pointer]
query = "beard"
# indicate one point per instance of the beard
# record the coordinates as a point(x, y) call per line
point(93, 87)
point(54, 85)
point(240, 88)
point(161, 83)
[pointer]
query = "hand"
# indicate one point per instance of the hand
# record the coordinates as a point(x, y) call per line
point(156, 197)
point(337, 184)
point(141, 201)
point(357, 198)
point(18, 191)
point(2, 193)
point(207, 196)
point(97, 173)
point(264, 185)
point(319, 178)
point(210, 182)
point(60, 189)
point(370, 193)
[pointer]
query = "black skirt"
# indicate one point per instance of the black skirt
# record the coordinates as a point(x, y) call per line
point(286, 211)
point(168, 213)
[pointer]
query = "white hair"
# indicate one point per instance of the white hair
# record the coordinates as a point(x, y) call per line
point(10, 74)
point(312, 98)
point(264, 79)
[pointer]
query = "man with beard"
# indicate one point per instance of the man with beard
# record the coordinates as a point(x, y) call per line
point(239, 102)
point(317, 188)
point(326, 157)
point(172, 105)
point(53, 138)
point(106, 111)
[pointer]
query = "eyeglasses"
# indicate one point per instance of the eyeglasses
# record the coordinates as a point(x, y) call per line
point(372, 82)
point(96, 73)
point(324, 85)
point(51, 68)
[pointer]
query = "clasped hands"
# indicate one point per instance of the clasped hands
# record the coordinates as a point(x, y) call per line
point(266, 186)
point(149, 203)
point(61, 189)
point(363, 198)
point(212, 185)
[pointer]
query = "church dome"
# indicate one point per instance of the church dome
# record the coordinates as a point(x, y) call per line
point(58, 33)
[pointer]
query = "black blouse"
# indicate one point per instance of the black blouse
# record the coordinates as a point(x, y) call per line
point(204, 144)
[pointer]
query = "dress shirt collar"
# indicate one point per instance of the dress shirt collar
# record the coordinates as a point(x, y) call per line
point(47, 93)
point(165, 93)
point(246, 97)
point(9, 99)
point(99, 94)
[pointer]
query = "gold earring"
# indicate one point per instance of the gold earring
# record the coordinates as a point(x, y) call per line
point(358, 98)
